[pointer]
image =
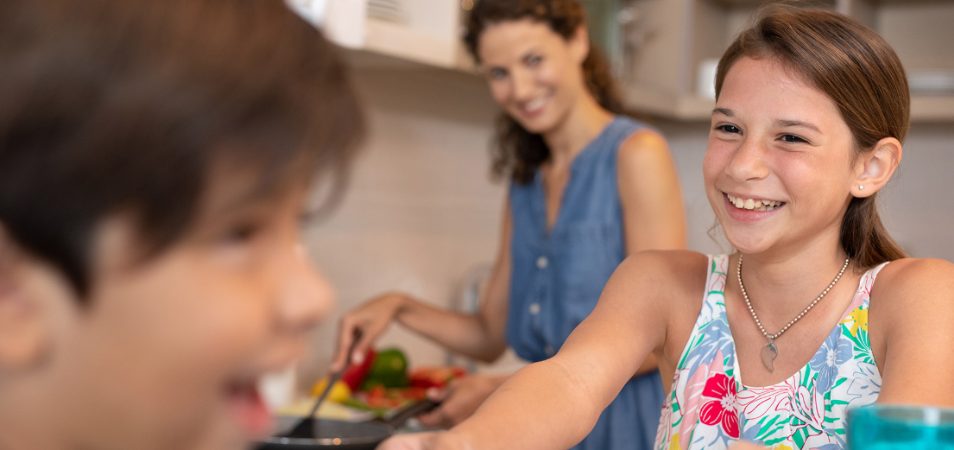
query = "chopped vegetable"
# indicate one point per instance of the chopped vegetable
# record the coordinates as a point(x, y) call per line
point(356, 374)
point(435, 377)
point(389, 369)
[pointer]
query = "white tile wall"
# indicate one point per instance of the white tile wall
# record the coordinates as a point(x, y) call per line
point(421, 210)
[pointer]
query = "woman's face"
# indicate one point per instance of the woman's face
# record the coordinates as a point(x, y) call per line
point(778, 169)
point(534, 74)
point(170, 351)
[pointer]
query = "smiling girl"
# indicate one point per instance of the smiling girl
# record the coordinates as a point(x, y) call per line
point(817, 311)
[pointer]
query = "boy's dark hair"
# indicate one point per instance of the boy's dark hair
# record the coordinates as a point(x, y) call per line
point(126, 106)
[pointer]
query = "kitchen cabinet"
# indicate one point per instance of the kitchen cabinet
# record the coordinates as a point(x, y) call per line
point(674, 45)
point(422, 31)
point(425, 31)
point(664, 51)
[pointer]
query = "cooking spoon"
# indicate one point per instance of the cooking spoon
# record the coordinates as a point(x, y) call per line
point(305, 428)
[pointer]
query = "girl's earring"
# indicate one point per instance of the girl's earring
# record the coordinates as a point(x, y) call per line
point(861, 187)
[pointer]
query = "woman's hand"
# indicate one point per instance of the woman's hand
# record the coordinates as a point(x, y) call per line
point(372, 318)
point(460, 399)
point(443, 440)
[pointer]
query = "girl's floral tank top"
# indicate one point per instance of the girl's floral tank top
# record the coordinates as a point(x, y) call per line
point(709, 407)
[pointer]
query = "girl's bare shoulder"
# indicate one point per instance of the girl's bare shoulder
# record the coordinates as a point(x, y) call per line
point(910, 316)
point(926, 278)
point(909, 289)
point(667, 286)
point(674, 274)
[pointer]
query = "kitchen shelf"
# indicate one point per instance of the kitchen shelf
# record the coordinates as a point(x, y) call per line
point(932, 108)
point(756, 3)
point(400, 41)
point(927, 108)
point(422, 31)
point(666, 74)
point(659, 104)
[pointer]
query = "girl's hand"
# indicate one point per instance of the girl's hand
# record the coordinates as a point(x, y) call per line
point(443, 440)
point(461, 398)
point(372, 318)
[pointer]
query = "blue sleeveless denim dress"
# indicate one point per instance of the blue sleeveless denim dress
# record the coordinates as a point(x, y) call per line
point(557, 278)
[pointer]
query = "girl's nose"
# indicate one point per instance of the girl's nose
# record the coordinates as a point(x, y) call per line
point(747, 161)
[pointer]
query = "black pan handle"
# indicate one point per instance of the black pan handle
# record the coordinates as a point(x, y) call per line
point(401, 415)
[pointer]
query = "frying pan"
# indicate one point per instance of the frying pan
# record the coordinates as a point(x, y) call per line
point(344, 435)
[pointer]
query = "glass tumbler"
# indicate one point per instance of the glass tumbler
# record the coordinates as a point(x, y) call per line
point(897, 427)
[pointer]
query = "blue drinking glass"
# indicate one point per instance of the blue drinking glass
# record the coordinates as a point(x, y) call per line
point(897, 427)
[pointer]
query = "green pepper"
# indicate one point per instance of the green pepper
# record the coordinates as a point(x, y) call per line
point(389, 369)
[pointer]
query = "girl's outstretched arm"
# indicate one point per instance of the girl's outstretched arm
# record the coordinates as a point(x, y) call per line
point(556, 402)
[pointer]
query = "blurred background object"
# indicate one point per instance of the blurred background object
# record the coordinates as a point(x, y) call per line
point(342, 20)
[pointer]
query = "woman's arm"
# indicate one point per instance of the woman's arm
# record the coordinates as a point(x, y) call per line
point(653, 214)
point(911, 323)
point(555, 403)
point(479, 335)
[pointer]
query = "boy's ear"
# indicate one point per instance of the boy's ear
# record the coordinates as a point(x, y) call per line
point(875, 168)
point(24, 330)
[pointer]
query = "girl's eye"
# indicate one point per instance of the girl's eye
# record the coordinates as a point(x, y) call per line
point(727, 128)
point(792, 139)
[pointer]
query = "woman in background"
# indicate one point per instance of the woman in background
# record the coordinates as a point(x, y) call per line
point(588, 186)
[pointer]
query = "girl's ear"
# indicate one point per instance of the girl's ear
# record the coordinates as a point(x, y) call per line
point(875, 168)
point(24, 325)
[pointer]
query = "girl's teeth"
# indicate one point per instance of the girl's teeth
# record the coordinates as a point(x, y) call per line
point(754, 205)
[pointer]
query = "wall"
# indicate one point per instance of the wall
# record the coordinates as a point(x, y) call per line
point(421, 211)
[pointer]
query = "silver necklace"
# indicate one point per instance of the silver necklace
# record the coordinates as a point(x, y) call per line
point(770, 351)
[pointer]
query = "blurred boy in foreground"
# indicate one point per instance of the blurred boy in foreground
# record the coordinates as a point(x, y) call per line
point(155, 162)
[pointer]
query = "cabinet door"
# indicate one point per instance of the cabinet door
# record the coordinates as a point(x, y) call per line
point(920, 32)
point(423, 31)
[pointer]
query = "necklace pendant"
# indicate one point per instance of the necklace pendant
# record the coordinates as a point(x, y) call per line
point(769, 353)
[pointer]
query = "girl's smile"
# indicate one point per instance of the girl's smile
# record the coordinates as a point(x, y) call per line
point(750, 209)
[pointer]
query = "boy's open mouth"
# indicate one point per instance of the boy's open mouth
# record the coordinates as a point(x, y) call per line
point(248, 408)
